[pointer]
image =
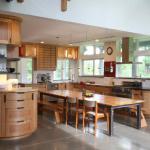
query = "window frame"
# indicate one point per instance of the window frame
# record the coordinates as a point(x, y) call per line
point(62, 70)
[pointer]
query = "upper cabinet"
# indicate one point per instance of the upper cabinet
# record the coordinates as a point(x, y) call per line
point(67, 52)
point(28, 50)
point(46, 58)
point(10, 27)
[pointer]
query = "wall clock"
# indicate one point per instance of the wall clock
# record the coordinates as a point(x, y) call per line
point(109, 50)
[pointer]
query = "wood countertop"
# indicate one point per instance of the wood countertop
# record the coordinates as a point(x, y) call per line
point(19, 90)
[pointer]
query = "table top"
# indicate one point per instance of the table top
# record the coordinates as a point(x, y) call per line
point(101, 99)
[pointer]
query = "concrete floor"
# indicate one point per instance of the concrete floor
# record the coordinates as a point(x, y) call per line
point(59, 137)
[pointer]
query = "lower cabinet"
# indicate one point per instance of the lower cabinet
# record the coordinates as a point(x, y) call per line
point(18, 114)
point(0, 115)
point(146, 105)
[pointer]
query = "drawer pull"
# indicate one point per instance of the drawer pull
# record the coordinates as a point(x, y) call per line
point(20, 108)
point(20, 121)
point(20, 92)
point(20, 100)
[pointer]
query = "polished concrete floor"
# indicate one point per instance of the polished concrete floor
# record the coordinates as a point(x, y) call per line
point(59, 137)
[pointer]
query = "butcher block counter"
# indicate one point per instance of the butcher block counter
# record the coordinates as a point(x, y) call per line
point(18, 112)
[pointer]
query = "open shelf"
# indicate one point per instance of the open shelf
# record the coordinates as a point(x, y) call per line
point(13, 59)
point(16, 73)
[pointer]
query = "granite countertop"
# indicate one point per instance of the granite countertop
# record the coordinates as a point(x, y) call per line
point(18, 90)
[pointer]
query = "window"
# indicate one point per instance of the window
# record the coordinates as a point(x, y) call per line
point(92, 50)
point(99, 50)
point(26, 70)
point(143, 70)
point(124, 70)
point(144, 45)
point(91, 60)
point(63, 70)
point(93, 67)
point(89, 50)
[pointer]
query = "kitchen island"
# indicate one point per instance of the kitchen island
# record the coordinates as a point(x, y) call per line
point(18, 112)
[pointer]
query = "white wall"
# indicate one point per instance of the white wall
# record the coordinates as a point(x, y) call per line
point(126, 15)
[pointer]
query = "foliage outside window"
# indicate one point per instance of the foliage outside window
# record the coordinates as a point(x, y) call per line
point(63, 70)
point(143, 70)
point(93, 67)
point(92, 50)
point(91, 60)
point(140, 52)
point(26, 70)
point(124, 70)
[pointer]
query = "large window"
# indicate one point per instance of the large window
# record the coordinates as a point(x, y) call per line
point(124, 70)
point(93, 67)
point(143, 70)
point(26, 70)
point(90, 50)
point(91, 60)
point(63, 70)
point(140, 56)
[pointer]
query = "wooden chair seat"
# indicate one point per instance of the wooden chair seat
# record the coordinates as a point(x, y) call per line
point(99, 115)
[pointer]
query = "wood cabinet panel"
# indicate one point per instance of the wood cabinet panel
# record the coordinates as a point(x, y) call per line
point(18, 104)
point(18, 116)
point(67, 52)
point(17, 128)
point(28, 50)
point(46, 58)
point(15, 32)
point(146, 105)
point(0, 115)
point(19, 96)
point(10, 30)
point(5, 32)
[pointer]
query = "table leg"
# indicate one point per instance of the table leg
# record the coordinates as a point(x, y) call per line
point(138, 125)
point(41, 106)
point(111, 121)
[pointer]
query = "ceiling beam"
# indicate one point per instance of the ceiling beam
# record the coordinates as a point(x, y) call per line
point(63, 5)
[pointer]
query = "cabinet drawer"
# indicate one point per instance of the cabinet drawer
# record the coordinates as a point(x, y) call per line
point(18, 104)
point(17, 128)
point(19, 96)
point(18, 114)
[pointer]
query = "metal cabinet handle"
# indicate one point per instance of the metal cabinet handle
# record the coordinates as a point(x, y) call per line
point(20, 100)
point(20, 121)
point(20, 108)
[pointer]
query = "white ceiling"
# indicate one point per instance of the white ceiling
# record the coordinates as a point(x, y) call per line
point(36, 29)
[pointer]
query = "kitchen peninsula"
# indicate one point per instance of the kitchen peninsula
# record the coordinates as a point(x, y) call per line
point(18, 112)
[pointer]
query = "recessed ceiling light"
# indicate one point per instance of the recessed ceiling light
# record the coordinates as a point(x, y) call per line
point(70, 44)
point(97, 40)
point(42, 42)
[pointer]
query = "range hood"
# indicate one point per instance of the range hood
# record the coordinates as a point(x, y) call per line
point(125, 52)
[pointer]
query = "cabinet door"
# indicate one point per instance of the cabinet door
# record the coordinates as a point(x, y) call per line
point(15, 33)
point(46, 58)
point(28, 50)
point(0, 115)
point(61, 52)
point(146, 105)
point(5, 32)
point(53, 61)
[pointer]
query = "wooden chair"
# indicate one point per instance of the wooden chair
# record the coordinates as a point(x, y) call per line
point(73, 106)
point(137, 94)
point(93, 105)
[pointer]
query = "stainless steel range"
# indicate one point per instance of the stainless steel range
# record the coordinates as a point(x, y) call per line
point(125, 90)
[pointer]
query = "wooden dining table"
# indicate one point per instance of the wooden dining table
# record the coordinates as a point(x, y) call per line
point(109, 102)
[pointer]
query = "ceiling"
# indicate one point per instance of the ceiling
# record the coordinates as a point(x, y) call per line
point(37, 29)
